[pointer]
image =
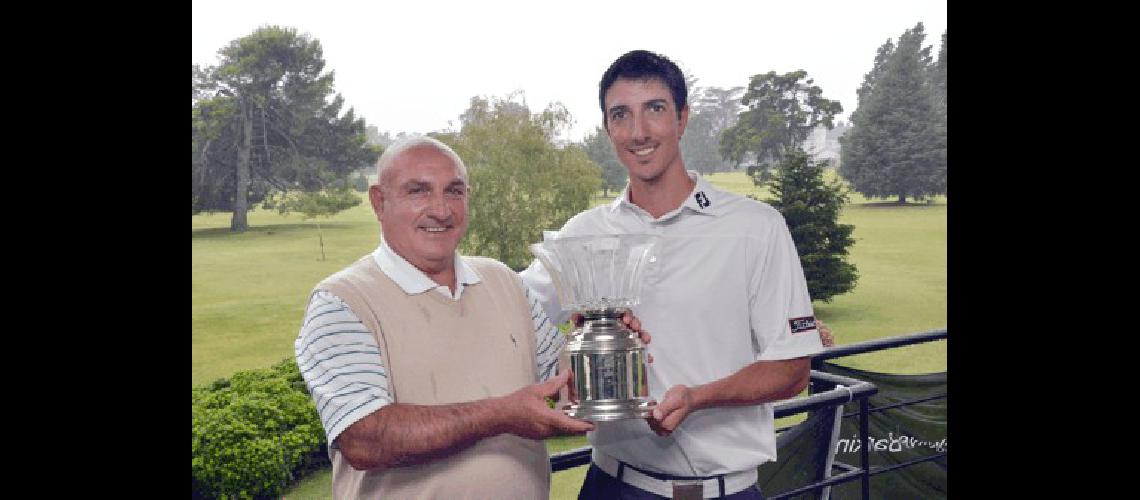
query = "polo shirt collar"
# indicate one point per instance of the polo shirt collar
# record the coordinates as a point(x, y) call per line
point(412, 280)
point(703, 199)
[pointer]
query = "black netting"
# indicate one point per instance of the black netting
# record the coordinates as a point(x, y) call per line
point(895, 436)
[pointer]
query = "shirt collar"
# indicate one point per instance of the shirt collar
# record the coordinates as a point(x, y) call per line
point(703, 199)
point(412, 280)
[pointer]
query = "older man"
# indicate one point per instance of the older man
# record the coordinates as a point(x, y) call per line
point(423, 364)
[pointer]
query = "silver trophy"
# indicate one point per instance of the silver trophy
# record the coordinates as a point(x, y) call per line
point(599, 277)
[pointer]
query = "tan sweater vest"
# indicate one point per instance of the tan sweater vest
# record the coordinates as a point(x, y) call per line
point(441, 351)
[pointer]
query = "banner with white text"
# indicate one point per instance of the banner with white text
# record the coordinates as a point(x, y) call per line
point(896, 436)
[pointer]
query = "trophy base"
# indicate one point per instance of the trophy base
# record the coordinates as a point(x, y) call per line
point(607, 410)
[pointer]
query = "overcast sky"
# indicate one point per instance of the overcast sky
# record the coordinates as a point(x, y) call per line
point(413, 66)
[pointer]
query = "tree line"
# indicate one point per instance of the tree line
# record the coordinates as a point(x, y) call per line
point(268, 129)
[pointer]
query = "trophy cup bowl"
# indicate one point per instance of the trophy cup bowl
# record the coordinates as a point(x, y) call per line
point(599, 277)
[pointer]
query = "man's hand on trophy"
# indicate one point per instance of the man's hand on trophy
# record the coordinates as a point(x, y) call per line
point(527, 414)
point(672, 410)
point(630, 321)
point(567, 395)
point(634, 324)
point(825, 335)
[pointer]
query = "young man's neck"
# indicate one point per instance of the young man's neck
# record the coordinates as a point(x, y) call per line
point(663, 194)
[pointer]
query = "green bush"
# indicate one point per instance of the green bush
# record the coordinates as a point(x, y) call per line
point(254, 434)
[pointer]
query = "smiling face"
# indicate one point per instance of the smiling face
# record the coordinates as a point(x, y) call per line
point(643, 125)
point(421, 202)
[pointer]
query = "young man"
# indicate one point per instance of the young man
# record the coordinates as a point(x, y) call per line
point(724, 296)
point(423, 364)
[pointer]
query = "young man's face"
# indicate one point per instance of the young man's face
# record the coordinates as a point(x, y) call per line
point(422, 207)
point(642, 123)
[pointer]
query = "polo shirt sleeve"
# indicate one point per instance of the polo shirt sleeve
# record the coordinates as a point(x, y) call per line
point(782, 319)
point(548, 339)
point(538, 281)
point(341, 364)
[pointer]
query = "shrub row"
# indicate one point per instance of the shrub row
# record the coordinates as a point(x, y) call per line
point(254, 433)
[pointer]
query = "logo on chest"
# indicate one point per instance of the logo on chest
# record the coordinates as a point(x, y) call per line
point(702, 200)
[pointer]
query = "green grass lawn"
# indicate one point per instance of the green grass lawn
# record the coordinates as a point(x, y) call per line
point(249, 292)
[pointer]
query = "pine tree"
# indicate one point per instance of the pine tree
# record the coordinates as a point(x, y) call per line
point(938, 78)
point(897, 144)
point(811, 207)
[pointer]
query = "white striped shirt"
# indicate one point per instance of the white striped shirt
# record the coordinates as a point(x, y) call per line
point(340, 359)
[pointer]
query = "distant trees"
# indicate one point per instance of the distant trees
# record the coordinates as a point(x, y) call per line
point(811, 208)
point(382, 139)
point(712, 110)
point(600, 150)
point(897, 143)
point(522, 182)
point(781, 110)
point(262, 122)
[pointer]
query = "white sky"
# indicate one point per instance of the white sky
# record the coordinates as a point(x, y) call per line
point(414, 65)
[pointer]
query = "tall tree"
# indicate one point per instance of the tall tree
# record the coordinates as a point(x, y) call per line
point(522, 181)
point(938, 78)
point(263, 121)
point(897, 144)
point(938, 92)
point(600, 150)
point(781, 111)
point(811, 208)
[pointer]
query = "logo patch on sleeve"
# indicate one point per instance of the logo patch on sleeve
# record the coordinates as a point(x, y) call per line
point(802, 324)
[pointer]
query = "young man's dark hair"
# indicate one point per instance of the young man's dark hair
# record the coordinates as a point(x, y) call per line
point(644, 65)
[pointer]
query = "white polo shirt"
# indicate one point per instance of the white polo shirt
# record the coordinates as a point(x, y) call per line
point(723, 289)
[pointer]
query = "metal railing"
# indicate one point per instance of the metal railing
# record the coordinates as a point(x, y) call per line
point(878, 345)
point(843, 391)
point(826, 390)
point(851, 390)
point(865, 411)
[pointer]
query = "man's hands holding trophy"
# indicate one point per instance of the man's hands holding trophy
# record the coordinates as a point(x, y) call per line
point(599, 278)
point(630, 321)
point(568, 394)
point(674, 406)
